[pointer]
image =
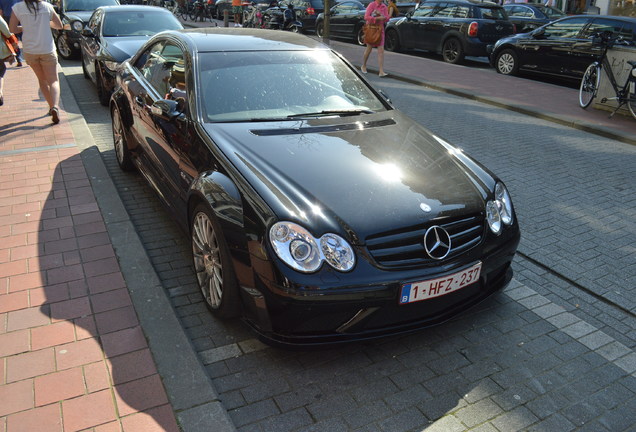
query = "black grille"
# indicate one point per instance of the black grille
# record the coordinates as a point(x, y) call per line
point(405, 247)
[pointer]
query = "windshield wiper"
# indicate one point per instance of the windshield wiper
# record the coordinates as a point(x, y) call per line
point(332, 112)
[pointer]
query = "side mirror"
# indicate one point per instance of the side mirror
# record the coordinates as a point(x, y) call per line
point(166, 109)
point(87, 32)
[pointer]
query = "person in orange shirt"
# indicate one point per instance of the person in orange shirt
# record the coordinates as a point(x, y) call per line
point(237, 10)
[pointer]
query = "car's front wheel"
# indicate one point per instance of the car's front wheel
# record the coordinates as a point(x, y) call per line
point(320, 29)
point(360, 36)
point(212, 263)
point(507, 62)
point(453, 51)
point(391, 42)
point(122, 153)
point(63, 48)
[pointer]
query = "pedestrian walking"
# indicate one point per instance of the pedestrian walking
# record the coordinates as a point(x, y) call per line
point(237, 10)
point(34, 19)
point(5, 55)
point(377, 14)
point(393, 9)
point(5, 12)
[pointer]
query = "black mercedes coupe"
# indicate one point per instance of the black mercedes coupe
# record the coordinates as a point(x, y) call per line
point(316, 210)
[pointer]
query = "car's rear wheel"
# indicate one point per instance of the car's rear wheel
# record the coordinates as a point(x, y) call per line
point(453, 51)
point(360, 36)
point(507, 62)
point(212, 263)
point(391, 42)
point(122, 153)
point(63, 48)
point(589, 85)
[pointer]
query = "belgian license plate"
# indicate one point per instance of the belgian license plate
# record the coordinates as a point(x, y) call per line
point(418, 291)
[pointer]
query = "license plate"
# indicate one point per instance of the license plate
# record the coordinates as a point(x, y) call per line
point(418, 291)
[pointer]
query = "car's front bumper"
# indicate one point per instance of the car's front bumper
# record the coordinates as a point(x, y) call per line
point(292, 313)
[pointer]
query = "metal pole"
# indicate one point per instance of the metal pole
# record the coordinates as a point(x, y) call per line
point(325, 35)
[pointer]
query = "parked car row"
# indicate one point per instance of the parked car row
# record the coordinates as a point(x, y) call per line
point(515, 37)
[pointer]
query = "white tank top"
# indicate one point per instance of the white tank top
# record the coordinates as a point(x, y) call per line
point(36, 28)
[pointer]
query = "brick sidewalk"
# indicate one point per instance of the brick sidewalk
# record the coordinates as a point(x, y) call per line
point(72, 353)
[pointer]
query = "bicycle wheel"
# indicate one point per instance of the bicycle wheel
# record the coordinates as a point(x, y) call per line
point(194, 14)
point(589, 85)
point(631, 97)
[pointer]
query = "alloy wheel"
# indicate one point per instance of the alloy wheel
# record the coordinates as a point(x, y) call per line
point(207, 259)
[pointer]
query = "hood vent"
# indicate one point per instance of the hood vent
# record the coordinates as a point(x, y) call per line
point(324, 129)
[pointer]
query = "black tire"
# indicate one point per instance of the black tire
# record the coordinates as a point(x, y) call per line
point(391, 41)
point(122, 153)
point(589, 85)
point(631, 94)
point(193, 14)
point(63, 48)
point(360, 36)
point(212, 263)
point(453, 51)
point(507, 62)
point(102, 93)
point(320, 29)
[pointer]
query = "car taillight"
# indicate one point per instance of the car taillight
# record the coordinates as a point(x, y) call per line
point(472, 29)
point(311, 11)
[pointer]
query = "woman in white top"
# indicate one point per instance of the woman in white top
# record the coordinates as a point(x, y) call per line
point(34, 19)
point(5, 55)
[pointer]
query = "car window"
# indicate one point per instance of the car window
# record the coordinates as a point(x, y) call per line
point(317, 4)
point(567, 28)
point(347, 7)
point(156, 65)
point(238, 86)
point(425, 10)
point(138, 23)
point(94, 21)
point(617, 28)
point(445, 10)
point(520, 11)
point(550, 12)
point(87, 5)
point(494, 13)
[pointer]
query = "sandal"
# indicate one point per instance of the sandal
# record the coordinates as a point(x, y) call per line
point(55, 115)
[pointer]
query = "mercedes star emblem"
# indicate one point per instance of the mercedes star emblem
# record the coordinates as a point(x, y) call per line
point(437, 242)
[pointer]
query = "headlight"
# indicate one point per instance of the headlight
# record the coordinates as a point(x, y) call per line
point(301, 251)
point(504, 203)
point(78, 26)
point(111, 65)
point(493, 217)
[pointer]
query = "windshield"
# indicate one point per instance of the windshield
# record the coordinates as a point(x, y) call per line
point(87, 5)
point(551, 12)
point(138, 23)
point(274, 85)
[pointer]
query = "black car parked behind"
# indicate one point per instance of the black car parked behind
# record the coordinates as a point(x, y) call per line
point(453, 28)
point(561, 48)
point(527, 17)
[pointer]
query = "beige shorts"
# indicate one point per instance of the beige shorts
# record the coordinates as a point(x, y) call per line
point(43, 59)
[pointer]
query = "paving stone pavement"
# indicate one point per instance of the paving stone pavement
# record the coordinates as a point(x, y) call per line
point(550, 353)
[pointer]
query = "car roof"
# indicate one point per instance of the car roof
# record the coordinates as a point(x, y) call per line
point(131, 8)
point(240, 39)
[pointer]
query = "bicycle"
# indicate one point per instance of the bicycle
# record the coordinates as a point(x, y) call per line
point(180, 11)
point(625, 95)
point(200, 10)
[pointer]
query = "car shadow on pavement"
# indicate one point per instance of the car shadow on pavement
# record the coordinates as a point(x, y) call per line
point(105, 371)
